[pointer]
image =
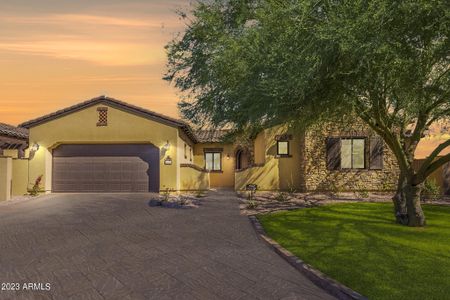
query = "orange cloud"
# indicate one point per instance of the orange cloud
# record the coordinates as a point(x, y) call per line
point(60, 19)
point(100, 52)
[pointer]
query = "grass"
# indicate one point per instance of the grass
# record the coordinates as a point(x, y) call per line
point(359, 245)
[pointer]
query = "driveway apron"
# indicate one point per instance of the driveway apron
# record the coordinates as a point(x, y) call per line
point(114, 246)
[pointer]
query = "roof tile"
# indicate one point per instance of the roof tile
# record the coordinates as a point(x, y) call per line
point(13, 131)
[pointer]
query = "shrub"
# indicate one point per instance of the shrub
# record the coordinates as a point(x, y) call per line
point(431, 190)
point(252, 204)
point(251, 195)
point(291, 187)
point(36, 187)
point(166, 195)
point(282, 197)
point(363, 194)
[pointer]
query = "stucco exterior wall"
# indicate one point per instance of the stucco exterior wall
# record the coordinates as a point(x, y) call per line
point(5, 178)
point(218, 179)
point(123, 127)
point(270, 171)
point(266, 176)
point(20, 182)
point(259, 148)
point(193, 179)
point(319, 178)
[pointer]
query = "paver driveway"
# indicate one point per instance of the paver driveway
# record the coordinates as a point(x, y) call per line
point(95, 246)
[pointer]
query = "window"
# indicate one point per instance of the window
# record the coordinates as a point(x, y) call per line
point(190, 153)
point(185, 151)
point(283, 148)
point(352, 153)
point(102, 116)
point(213, 161)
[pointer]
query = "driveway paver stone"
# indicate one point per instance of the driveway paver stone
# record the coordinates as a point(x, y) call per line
point(114, 246)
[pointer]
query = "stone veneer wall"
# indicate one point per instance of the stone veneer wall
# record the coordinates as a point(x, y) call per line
point(319, 178)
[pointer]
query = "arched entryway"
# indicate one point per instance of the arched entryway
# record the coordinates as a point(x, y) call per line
point(242, 159)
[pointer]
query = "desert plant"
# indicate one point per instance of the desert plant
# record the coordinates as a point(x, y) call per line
point(431, 190)
point(291, 187)
point(386, 186)
point(183, 201)
point(252, 204)
point(282, 197)
point(335, 190)
point(36, 187)
point(363, 194)
point(251, 195)
point(166, 195)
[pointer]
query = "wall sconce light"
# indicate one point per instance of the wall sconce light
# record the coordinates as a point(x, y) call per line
point(33, 150)
point(166, 146)
point(228, 155)
point(35, 147)
point(168, 161)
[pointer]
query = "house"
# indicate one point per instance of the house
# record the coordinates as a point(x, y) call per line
point(13, 142)
point(12, 138)
point(106, 145)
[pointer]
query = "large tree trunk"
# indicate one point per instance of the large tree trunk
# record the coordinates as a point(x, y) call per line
point(416, 217)
point(399, 199)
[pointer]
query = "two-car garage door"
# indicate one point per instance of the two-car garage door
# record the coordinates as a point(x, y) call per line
point(106, 168)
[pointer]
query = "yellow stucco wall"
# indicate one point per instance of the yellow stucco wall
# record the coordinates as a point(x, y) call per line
point(272, 172)
point(192, 179)
point(123, 127)
point(266, 176)
point(19, 177)
point(5, 178)
point(260, 148)
point(224, 178)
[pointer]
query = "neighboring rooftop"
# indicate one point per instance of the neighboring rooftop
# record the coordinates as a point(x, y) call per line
point(13, 131)
point(211, 135)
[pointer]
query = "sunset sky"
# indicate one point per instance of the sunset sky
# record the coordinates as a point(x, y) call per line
point(56, 53)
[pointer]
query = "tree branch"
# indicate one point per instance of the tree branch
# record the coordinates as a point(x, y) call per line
point(429, 160)
point(433, 167)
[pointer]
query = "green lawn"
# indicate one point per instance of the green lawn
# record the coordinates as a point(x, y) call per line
point(359, 245)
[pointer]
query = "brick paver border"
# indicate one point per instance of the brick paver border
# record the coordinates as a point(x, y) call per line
point(318, 278)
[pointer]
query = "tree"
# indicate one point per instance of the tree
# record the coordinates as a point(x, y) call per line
point(258, 63)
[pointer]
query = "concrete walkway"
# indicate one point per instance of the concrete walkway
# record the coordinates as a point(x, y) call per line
point(113, 246)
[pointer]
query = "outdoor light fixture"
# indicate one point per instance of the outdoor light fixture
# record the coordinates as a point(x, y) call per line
point(168, 161)
point(166, 146)
point(33, 150)
point(228, 155)
point(35, 147)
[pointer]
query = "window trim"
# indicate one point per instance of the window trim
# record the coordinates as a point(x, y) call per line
point(288, 149)
point(220, 161)
point(351, 153)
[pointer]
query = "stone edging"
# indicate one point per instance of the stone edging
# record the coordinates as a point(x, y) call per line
point(318, 278)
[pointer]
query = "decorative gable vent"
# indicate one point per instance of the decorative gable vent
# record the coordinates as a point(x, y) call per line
point(102, 116)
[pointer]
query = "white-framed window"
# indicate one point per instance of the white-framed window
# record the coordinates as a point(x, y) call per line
point(213, 161)
point(353, 153)
point(282, 148)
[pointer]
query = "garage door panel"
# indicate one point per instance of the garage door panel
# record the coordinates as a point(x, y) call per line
point(100, 174)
